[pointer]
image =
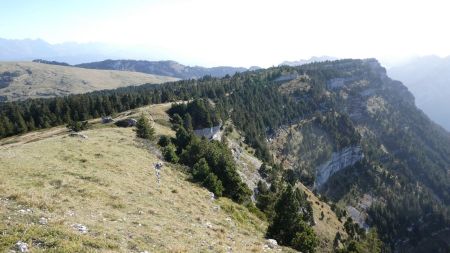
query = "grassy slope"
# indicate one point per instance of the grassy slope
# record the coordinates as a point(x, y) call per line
point(107, 182)
point(37, 80)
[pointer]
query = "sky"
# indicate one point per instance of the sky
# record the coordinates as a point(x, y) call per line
point(238, 33)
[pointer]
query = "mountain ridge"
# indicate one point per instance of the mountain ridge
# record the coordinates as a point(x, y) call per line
point(400, 186)
point(167, 68)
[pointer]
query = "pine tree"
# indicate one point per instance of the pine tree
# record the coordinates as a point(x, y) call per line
point(305, 241)
point(183, 138)
point(288, 226)
point(213, 184)
point(144, 129)
point(8, 126)
point(20, 125)
point(176, 121)
point(2, 130)
point(169, 154)
point(200, 170)
point(164, 141)
point(187, 122)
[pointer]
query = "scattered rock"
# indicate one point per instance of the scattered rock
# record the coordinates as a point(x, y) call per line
point(216, 208)
point(74, 134)
point(208, 225)
point(43, 221)
point(22, 246)
point(107, 119)
point(213, 197)
point(25, 211)
point(81, 228)
point(271, 243)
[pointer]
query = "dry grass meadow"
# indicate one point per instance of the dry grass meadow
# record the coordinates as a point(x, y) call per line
point(107, 182)
point(38, 80)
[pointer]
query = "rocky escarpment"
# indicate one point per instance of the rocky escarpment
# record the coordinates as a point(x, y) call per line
point(339, 160)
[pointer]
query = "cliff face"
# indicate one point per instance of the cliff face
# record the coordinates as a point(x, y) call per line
point(365, 137)
point(339, 160)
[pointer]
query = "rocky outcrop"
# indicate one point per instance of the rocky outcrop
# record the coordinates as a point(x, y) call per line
point(211, 133)
point(247, 164)
point(339, 160)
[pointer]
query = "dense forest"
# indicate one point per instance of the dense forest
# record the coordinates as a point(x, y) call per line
point(406, 160)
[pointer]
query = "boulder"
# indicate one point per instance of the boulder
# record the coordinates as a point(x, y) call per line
point(43, 221)
point(22, 246)
point(80, 228)
point(75, 134)
point(271, 243)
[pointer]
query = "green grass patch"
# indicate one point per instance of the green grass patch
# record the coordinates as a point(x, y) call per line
point(56, 238)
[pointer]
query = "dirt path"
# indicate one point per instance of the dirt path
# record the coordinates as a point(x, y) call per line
point(32, 136)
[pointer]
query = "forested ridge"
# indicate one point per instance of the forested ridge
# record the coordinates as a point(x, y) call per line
point(405, 167)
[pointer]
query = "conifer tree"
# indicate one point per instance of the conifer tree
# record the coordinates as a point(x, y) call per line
point(144, 129)
point(187, 122)
point(288, 226)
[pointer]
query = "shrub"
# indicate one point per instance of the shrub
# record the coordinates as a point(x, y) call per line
point(78, 126)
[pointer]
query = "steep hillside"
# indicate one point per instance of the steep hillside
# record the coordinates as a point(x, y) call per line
point(343, 129)
point(371, 150)
point(325, 227)
point(23, 80)
point(101, 194)
point(164, 68)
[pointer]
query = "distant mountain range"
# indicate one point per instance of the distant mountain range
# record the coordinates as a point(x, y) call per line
point(93, 55)
point(428, 78)
point(310, 60)
point(164, 68)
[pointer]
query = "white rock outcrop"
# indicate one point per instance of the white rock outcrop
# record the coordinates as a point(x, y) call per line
point(339, 160)
point(271, 243)
point(211, 133)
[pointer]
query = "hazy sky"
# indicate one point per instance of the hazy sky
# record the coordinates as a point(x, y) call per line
point(241, 32)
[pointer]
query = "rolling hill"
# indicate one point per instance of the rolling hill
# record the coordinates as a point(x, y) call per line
point(165, 68)
point(23, 80)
